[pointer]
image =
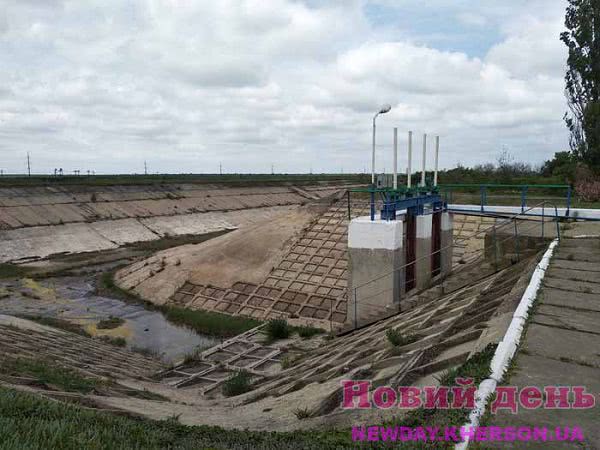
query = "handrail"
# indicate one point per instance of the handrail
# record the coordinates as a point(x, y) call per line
point(492, 185)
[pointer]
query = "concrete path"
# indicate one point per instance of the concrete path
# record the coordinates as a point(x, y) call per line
point(562, 344)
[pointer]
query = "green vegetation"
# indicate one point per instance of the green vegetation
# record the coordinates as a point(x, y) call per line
point(582, 80)
point(203, 322)
point(208, 322)
point(234, 179)
point(397, 339)
point(118, 341)
point(110, 323)
point(476, 368)
point(50, 374)
point(28, 421)
point(238, 384)
point(302, 413)
point(31, 422)
point(55, 322)
point(13, 271)
point(277, 329)
point(308, 332)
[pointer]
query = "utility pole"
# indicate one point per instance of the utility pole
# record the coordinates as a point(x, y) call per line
point(145, 168)
point(28, 165)
point(220, 169)
point(272, 169)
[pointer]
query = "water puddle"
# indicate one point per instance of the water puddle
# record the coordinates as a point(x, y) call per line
point(73, 299)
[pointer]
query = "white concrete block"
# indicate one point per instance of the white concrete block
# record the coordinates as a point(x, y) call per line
point(377, 234)
point(447, 221)
point(424, 226)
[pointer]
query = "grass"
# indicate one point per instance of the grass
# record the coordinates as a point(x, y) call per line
point(110, 323)
point(58, 323)
point(397, 339)
point(13, 271)
point(277, 329)
point(117, 341)
point(48, 373)
point(302, 413)
point(208, 322)
point(234, 178)
point(238, 384)
point(31, 422)
point(477, 368)
point(308, 332)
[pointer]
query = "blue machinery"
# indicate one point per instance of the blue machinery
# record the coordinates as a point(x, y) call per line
point(411, 200)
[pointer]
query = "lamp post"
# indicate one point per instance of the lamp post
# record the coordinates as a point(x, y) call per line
point(384, 109)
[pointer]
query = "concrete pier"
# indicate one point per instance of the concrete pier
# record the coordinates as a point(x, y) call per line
point(376, 257)
point(447, 230)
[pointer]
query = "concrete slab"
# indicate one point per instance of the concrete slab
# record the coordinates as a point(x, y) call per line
point(572, 285)
point(586, 321)
point(574, 274)
point(558, 343)
point(538, 371)
point(563, 298)
point(560, 263)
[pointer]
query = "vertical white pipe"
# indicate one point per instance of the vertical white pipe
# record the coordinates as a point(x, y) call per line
point(424, 159)
point(409, 166)
point(373, 154)
point(395, 158)
point(437, 155)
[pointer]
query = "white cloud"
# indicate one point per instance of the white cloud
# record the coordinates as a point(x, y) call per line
point(187, 84)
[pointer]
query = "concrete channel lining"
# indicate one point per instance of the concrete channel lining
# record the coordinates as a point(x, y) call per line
point(308, 284)
point(214, 366)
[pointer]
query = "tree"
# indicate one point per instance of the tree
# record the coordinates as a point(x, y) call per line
point(564, 165)
point(582, 79)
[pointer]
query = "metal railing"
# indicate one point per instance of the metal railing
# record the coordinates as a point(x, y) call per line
point(515, 234)
point(513, 194)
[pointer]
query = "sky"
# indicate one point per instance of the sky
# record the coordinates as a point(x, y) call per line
point(251, 85)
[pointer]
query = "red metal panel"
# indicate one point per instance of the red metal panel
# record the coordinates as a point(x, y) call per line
point(436, 244)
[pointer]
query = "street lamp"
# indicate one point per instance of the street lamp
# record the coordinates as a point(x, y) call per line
point(384, 109)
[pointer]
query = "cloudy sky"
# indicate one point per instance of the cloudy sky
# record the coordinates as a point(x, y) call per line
point(189, 84)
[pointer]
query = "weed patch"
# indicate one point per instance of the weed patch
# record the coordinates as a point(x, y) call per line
point(277, 329)
point(237, 384)
point(47, 373)
point(308, 332)
point(110, 323)
point(13, 271)
point(397, 339)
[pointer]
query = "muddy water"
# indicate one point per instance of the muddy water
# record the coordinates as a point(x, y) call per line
point(73, 299)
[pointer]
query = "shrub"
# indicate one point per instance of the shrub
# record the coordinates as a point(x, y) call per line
point(237, 384)
point(308, 332)
point(397, 339)
point(118, 341)
point(588, 190)
point(110, 323)
point(278, 329)
point(287, 362)
point(302, 413)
